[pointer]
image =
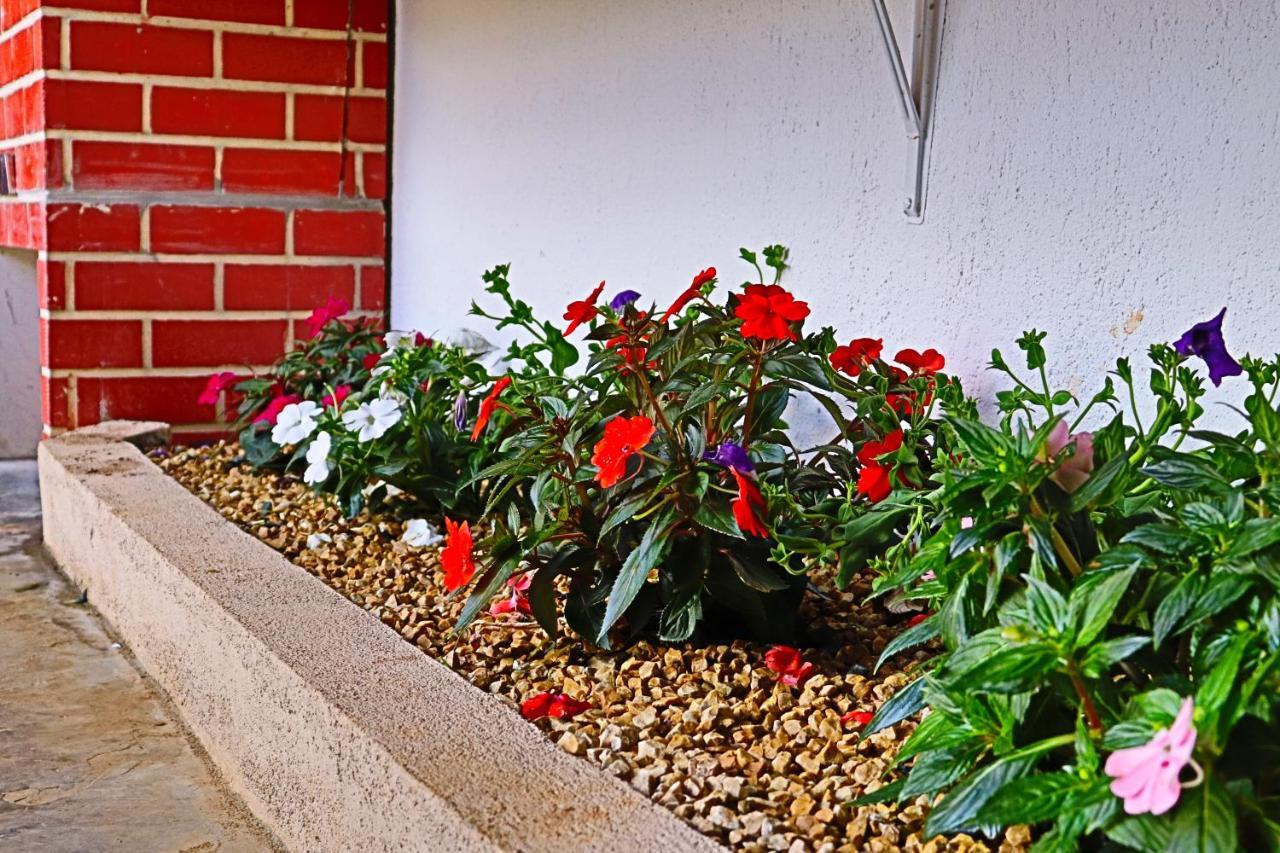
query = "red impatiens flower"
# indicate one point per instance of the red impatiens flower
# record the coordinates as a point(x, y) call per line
point(487, 406)
point(856, 354)
point(582, 311)
point(421, 340)
point(924, 363)
point(857, 718)
point(748, 506)
point(517, 601)
point(556, 705)
point(873, 479)
point(275, 407)
point(371, 360)
point(323, 314)
point(690, 293)
point(455, 557)
point(917, 619)
point(768, 311)
point(217, 383)
point(623, 438)
point(336, 399)
point(792, 669)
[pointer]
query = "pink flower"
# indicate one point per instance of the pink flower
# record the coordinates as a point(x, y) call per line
point(517, 602)
point(217, 383)
point(1076, 467)
point(337, 397)
point(1146, 777)
point(275, 407)
point(556, 705)
point(792, 669)
point(324, 314)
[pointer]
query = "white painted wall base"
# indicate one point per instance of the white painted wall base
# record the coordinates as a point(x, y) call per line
point(19, 355)
point(1104, 170)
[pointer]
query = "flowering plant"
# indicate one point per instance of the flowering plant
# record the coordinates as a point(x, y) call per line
point(1111, 594)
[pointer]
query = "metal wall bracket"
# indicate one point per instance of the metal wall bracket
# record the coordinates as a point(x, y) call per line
point(916, 92)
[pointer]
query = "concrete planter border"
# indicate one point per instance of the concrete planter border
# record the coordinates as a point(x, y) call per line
point(337, 733)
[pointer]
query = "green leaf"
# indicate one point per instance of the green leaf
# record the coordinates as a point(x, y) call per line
point(755, 573)
point(801, 367)
point(1205, 821)
point(1014, 669)
point(888, 793)
point(624, 512)
point(959, 809)
point(985, 444)
point(1186, 473)
point(1255, 535)
point(1046, 607)
point(1099, 484)
point(1103, 656)
point(631, 577)
point(1094, 603)
point(1174, 606)
point(1164, 538)
point(717, 517)
point(913, 636)
point(1216, 687)
point(1033, 799)
point(935, 770)
point(1146, 833)
point(901, 705)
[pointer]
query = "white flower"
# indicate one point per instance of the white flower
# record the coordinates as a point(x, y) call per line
point(295, 423)
point(315, 540)
point(318, 459)
point(372, 420)
point(395, 339)
point(419, 533)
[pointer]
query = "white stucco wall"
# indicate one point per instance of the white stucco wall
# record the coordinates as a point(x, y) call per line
point(1104, 170)
point(19, 355)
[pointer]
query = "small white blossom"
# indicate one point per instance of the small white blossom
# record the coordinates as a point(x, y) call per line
point(318, 459)
point(418, 533)
point(295, 422)
point(371, 420)
point(395, 339)
point(315, 540)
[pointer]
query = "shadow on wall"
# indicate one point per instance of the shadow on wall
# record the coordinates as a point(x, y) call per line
point(19, 354)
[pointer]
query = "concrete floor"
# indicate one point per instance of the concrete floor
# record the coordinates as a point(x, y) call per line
point(91, 757)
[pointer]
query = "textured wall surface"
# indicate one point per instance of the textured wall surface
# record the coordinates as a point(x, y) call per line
point(19, 355)
point(1107, 171)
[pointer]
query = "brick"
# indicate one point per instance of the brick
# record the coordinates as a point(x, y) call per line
point(102, 228)
point(50, 43)
point(317, 117)
point(264, 170)
point(373, 64)
point(51, 284)
point(322, 14)
point(141, 166)
point(230, 230)
point(290, 288)
point(143, 286)
point(38, 165)
point(12, 11)
point(55, 402)
point(373, 288)
point(21, 225)
point(88, 105)
point(179, 343)
point(282, 59)
point(339, 232)
point(103, 5)
point(217, 112)
point(349, 185)
point(375, 174)
point(367, 120)
point(166, 398)
point(24, 110)
point(142, 49)
point(370, 16)
point(91, 343)
point(20, 53)
point(243, 11)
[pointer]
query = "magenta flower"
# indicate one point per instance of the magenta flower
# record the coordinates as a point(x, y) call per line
point(732, 456)
point(217, 383)
point(326, 313)
point(1146, 777)
point(1205, 340)
point(1077, 467)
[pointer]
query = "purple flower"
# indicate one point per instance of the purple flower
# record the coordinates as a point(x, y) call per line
point(460, 411)
point(623, 299)
point(731, 455)
point(1205, 340)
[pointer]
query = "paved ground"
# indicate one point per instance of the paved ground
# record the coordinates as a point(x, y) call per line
point(90, 756)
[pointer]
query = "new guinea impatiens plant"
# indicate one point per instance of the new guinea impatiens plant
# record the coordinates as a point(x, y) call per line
point(659, 490)
point(1109, 606)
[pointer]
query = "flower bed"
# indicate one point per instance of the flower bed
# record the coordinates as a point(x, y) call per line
point(710, 732)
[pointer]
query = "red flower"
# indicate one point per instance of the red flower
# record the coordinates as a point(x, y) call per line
point(858, 718)
point(928, 362)
point(583, 310)
point(217, 383)
point(323, 314)
point(791, 667)
point(856, 354)
point(917, 619)
point(337, 397)
point(273, 409)
point(371, 360)
point(873, 479)
point(748, 506)
point(421, 340)
point(690, 293)
point(556, 705)
point(767, 312)
point(487, 405)
point(623, 438)
point(517, 602)
point(459, 565)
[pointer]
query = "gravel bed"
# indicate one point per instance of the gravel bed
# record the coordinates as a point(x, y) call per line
point(708, 732)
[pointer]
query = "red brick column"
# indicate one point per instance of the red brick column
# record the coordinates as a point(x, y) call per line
point(196, 175)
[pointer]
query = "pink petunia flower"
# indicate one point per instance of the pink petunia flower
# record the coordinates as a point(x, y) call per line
point(1146, 777)
point(1076, 468)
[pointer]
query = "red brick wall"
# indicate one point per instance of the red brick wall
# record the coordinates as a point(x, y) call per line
point(196, 175)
